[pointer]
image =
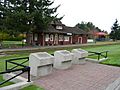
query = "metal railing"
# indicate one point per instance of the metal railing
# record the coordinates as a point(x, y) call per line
point(16, 67)
point(103, 54)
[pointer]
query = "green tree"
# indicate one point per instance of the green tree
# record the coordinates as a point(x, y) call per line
point(115, 31)
point(90, 25)
point(1, 15)
point(87, 26)
point(3, 36)
point(27, 15)
point(83, 26)
point(98, 29)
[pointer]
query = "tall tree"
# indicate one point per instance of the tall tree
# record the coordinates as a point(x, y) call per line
point(90, 25)
point(28, 15)
point(83, 26)
point(18, 16)
point(115, 31)
point(87, 26)
point(2, 26)
point(1, 15)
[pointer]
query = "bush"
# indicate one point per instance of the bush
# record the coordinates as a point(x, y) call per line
point(19, 38)
point(3, 36)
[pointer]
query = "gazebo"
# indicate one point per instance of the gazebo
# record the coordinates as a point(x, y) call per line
point(101, 36)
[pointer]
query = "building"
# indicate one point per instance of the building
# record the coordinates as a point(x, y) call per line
point(58, 34)
point(101, 36)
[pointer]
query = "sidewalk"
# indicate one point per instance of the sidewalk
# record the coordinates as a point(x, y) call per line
point(59, 46)
point(90, 76)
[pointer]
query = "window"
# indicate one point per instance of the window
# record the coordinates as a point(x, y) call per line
point(56, 37)
point(51, 37)
point(66, 38)
point(59, 27)
point(36, 37)
point(60, 37)
point(47, 37)
point(69, 34)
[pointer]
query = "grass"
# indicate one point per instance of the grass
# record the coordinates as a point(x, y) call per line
point(114, 53)
point(32, 87)
point(12, 42)
point(2, 66)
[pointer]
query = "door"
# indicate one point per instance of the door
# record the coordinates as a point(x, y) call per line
point(80, 40)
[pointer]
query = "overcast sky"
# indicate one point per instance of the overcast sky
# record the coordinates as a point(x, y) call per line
point(101, 12)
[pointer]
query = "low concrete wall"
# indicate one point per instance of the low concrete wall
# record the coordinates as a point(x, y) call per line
point(20, 82)
point(15, 80)
point(95, 60)
point(16, 86)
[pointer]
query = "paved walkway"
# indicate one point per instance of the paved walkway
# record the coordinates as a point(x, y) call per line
point(90, 76)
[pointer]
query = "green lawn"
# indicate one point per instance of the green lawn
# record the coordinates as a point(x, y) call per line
point(114, 53)
point(32, 87)
point(12, 42)
point(2, 68)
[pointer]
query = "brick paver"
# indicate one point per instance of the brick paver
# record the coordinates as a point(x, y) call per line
point(90, 76)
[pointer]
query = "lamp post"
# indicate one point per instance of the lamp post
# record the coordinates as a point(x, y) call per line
point(94, 36)
point(23, 40)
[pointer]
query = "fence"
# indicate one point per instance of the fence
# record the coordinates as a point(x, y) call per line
point(16, 67)
point(103, 54)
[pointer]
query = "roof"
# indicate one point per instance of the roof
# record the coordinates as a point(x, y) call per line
point(57, 22)
point(52, 29)
point(65, 30)
point(74, 30)
point(101, 34)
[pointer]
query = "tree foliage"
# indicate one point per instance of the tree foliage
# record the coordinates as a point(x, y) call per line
point(26, 15)
point(87, 26)
point(3, 36)
point(115, 31)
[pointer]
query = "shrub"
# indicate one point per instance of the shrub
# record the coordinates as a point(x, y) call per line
point(19, 38)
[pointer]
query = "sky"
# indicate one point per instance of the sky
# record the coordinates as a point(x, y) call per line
point(102, 13)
